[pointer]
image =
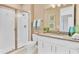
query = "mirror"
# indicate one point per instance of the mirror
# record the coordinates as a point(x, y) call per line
point(60, 19)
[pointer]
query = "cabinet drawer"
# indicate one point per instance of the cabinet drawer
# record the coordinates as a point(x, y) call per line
point(53, 49)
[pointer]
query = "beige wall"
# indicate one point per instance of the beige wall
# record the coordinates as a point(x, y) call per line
point(53, 12)
point(39, 13)
point(16, 6)
point(42, 11)
point(24, 7)
point(27, 7)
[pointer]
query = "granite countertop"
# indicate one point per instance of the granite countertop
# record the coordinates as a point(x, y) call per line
point(57, 36)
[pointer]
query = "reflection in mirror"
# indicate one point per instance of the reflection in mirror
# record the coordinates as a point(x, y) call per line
point(66, 18)
point(60, 19)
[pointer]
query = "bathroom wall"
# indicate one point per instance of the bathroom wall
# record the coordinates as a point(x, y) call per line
point(16, 6)
point(39, 12)
point(42, 10)
point(53, 12)
point(27, 7)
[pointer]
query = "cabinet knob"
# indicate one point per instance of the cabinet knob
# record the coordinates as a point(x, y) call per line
point(24, 26)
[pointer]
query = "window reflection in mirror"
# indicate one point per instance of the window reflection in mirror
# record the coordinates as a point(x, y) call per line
point(66, 18)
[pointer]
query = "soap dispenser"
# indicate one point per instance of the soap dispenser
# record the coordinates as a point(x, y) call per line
point(71, 31)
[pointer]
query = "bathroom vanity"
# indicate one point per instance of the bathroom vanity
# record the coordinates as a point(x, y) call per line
point(55, 44)
point(57, 20)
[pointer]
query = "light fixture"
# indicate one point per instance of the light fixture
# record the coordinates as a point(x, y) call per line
point(53, 6)
point(59, 5)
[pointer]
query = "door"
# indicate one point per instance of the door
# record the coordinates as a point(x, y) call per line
point(22, 29)
point(44, 45)
point(40, 45)
point(47, 45)
point(53, 46)
point(7, 33)
point(61, 50)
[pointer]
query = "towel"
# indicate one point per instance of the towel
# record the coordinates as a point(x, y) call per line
point(38, 23)
point(35, 24)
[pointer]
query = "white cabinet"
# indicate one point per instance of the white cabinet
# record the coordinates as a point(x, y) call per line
point(53, 46)
point(53, 49)
point(61, 50)
point(73, 51)
point(7, 32)
point(44, 45)
point(22, 24)
point(40, 46)
point(35, 37)
point(58, 47)
point(47, 45)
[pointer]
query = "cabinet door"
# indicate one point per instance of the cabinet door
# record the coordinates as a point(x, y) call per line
point(7, 33)
point(40, 45)
point(46, 45)
point(61, 50)
point(53, 48)
point(72, 51)
point(22, 28)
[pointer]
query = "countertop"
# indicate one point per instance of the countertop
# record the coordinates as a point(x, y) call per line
point(57, 36)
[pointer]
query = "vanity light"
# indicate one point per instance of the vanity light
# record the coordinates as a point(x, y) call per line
point(53, 6)
point(59, 5)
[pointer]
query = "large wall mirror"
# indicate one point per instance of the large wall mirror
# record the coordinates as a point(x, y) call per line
point(60, 19)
